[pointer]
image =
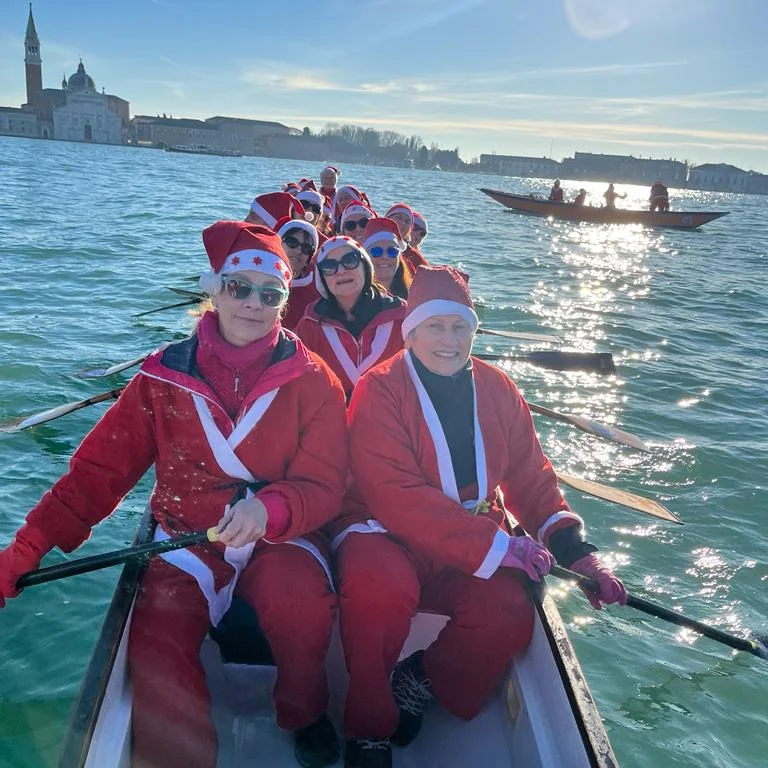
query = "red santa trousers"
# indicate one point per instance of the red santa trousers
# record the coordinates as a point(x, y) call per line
point(296, 607)
point(381, 587)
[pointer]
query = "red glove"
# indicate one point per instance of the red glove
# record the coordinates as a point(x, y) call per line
point(528, 555)
point(611, 588)
point(23, 554)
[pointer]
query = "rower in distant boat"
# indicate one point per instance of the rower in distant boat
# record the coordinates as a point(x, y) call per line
point(300, 242)
point(459, 507)
point(610, 195)
point(659, 199)
point(355, 323)
point(581, 197)
point(383, 241)
point(556, 193)
point(247, 429)
point(402, 215)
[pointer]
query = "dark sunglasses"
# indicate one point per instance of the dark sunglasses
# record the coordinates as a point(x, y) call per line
point(350, 224)
point(292, 242)
point(377, 252)
point(269, 295)
point(314, 207)
point(350, 260)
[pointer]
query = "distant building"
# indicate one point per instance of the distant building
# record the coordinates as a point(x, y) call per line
point(757, 183)
point(517, 165)
point(240, 134)
point(719, 177)
point(75, 112)
point(627, 169)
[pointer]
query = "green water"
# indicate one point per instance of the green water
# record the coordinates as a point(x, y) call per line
point(90, 235)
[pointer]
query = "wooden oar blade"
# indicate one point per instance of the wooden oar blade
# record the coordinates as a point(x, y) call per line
point(25, 422)
point(542, 338)
point(617, 496)
point(95, 373)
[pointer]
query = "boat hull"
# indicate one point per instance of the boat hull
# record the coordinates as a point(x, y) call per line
point(601, 215)
point(541, 716)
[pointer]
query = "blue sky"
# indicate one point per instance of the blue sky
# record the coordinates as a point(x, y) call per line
point(665, 78)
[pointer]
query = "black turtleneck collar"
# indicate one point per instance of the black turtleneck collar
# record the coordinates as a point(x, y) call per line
point(370, 303)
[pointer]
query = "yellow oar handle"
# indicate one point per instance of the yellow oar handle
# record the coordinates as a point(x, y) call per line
point(212, 534)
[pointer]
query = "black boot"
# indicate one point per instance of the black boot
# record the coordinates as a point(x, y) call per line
point(413, 693)
point(316, 745)
point(368, 753)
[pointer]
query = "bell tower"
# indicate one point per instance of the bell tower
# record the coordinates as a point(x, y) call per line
point(32, 61)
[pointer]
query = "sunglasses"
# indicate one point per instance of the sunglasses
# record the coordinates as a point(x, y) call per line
point(377, 252)
point(350, 260)
point(306, 248)
point(314, 207)
point(350, 224)
point(269, 295)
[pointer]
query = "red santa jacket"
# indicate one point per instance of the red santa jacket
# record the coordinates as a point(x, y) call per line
point(290, 432)
point(349, 358)
point(413, 258)
point(402, 470)
point(303, 293)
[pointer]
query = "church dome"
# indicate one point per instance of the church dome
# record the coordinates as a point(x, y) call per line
point(81, 80)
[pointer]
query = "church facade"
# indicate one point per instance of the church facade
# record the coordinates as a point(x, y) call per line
point(75, 112)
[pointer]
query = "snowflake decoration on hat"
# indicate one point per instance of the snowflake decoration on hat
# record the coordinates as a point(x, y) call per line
point(257, 260)
point(235, 261)
point(282, 269)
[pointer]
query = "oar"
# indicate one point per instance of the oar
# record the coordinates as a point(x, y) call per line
point(592, 427)
point(108, 559)
point(185, 292)
point(95, 373)
point(168, 306)
point(593, 362)
point(758, 646)
point(25, 422)
point(617, 496)
point(540, 337)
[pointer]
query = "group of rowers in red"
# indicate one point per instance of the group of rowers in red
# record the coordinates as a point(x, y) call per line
point(363, 465)
point(658, 200)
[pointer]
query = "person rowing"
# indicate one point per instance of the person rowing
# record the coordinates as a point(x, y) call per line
point(610, 195)
point(402, 215)
point(312, 202)
point(329, 177)
point(419, 232)
point(266, 210)
point(383, 241)
point(659, 197)
point(354, 218)
point(580, 198)
point(344, 196)
point(460, 509)
point(355, 324)
point(300, 242)
point(556, 193)
point(246, 430)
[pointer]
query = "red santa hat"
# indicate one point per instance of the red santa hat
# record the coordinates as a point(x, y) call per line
point(291, 188)
point(237, 246)
point(353, 210)
point(438, 291)
point(420, 222)
point(286, 225)
point(348, 189)
point(331, 244)
point(401, 208)
point(310, 195)
point(278, 205)
point(332, 169)
point(308, 184)
point(382, 230)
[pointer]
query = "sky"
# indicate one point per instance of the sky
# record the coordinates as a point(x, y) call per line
point(686, 79)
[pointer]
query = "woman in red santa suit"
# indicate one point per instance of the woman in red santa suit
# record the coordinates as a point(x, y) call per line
point(328, 178)
point(300, 242)
point(344, 196)
point(402, 215)
point(354, 218)
point(445, 457)
point(381, 238)
point(356, 324)
point(419, 232)
point(246, 429)
point(266, 210)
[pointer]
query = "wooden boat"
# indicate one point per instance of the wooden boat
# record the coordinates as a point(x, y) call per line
point(542, 716)
point(203, 149)
point(538, 206)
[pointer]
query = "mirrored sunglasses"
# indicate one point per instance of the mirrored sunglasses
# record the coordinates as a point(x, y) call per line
point(292, 242)
point(351, 224)
point(350, 260)
point(377, 252)
point(269, 295)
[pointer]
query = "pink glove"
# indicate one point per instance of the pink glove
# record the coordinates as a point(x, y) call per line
point(23, 554)
point(528, 555)
point(611, 588)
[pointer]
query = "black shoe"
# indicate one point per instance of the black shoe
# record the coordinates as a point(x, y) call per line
point(368, 753)
point(317, 745)
point(413, 693)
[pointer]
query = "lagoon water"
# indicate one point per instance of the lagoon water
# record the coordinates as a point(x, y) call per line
point(91, 235)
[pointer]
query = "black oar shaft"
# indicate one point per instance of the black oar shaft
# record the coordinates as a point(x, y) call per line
point(168, 306)
point(654, 609)
point(108, 559)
